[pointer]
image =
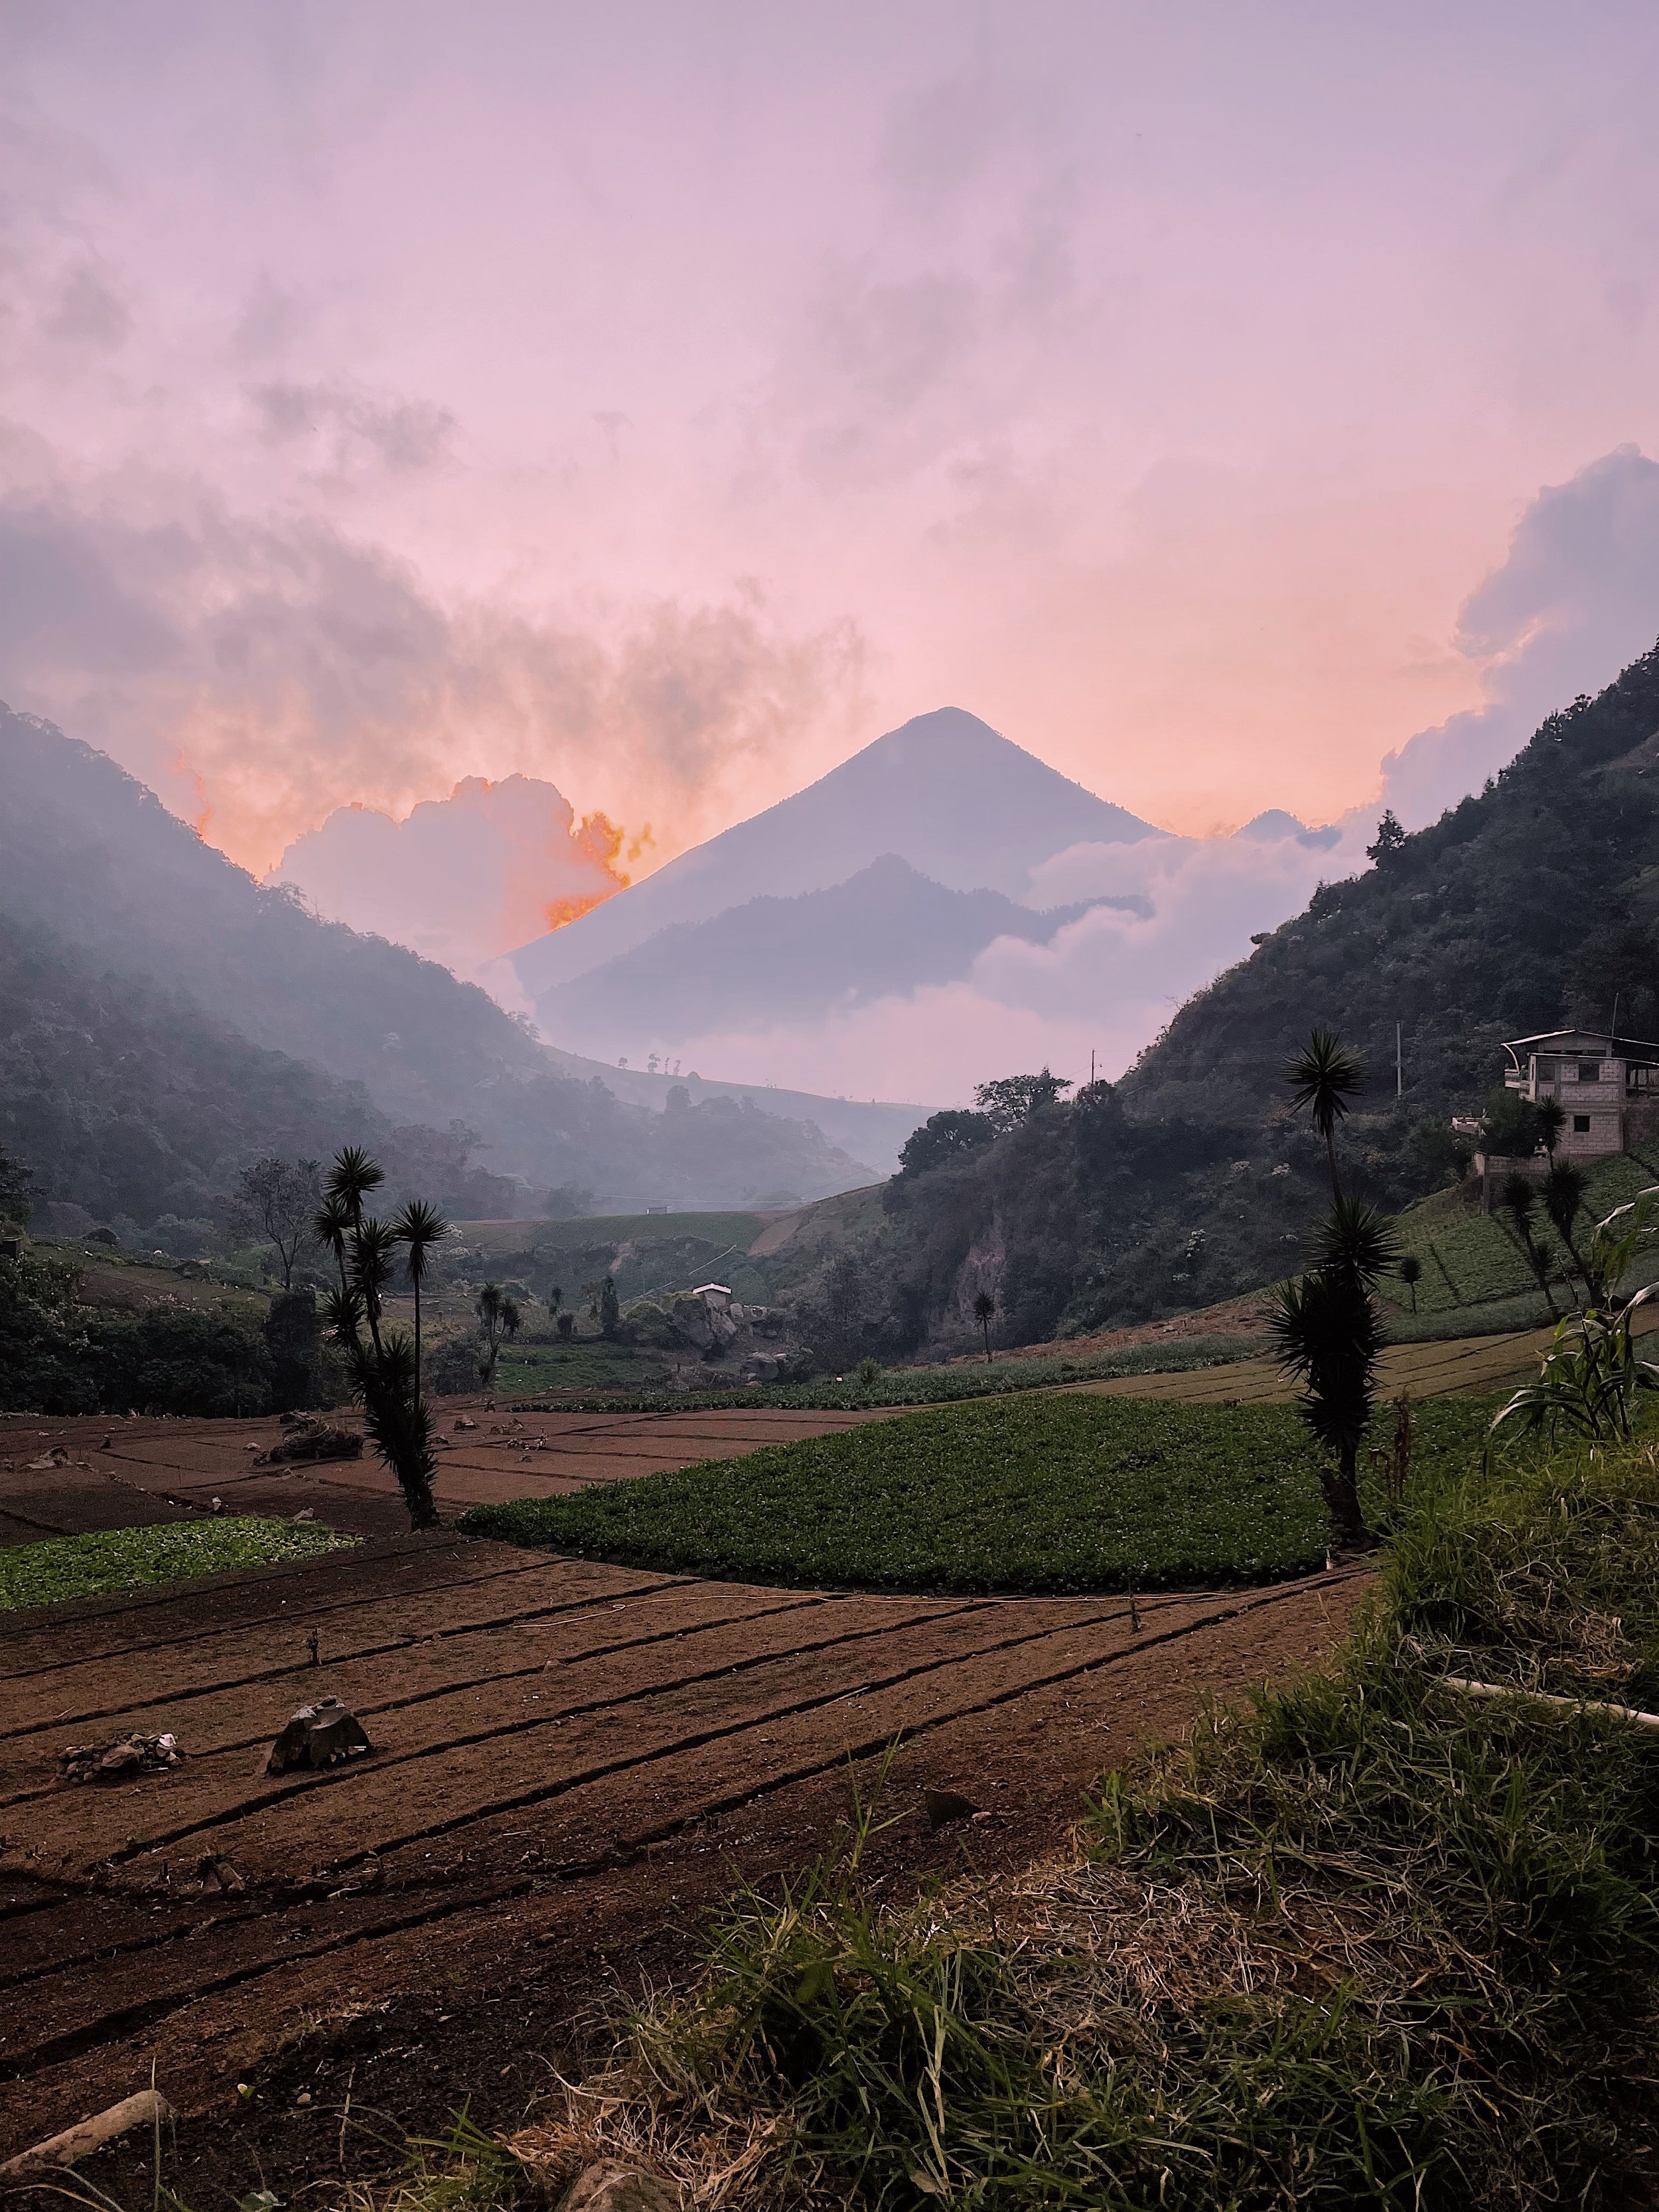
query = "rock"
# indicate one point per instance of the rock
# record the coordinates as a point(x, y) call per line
point(311, 1440)
point(116, 1762)
point(213, 1866)
point(319, 1736)
point(306, 1513)
point(465, 1421)
point(610, 2187)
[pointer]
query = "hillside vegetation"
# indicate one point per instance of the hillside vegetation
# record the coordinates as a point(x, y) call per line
point(164, 1018)
point(1532, 904)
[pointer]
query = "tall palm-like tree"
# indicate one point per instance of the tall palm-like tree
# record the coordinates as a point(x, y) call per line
point(1328, 1332)
point(331, 1226)
point(1517, 1199)
point(373, 1245)
point(384, 1379)
point(498, 1318)
point(1551, 1118)
point(419, 1227)
point(1563, 1198)
point(1410, 1274)
point(1323, 1077)
point(351, 1178)
point(984, 1306)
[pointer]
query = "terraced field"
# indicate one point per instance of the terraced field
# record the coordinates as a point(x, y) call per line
point(570, 1758)
point(565, 1756)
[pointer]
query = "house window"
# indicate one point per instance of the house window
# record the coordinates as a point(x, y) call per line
point(1547, 1070)
point(1581, 1125)
point(1589, 1071)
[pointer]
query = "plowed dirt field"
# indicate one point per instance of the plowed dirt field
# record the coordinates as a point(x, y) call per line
point(569, 1760)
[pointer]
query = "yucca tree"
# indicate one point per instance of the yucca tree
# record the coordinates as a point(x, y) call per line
point(498, 1318)
point(1323, 1076)
point(1552, 1119)
point(1328, 1332)
point(352, 1177)
point(384, 1378)
point(1410, 1272)
point(984, 1306)
point(1564, 1186)
point(373, 1250)
point(418, 1228)
point(1517, 1199)
point(331, 1226)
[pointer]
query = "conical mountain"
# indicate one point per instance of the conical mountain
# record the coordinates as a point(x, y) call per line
point(963, 805)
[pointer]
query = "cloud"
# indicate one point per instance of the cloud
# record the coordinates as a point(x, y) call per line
point(1576, 600)
point(1105, 985)
point(263, 671)
point(340, 429)
point(461, 879)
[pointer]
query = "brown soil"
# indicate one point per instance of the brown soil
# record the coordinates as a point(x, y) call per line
point(571, 1763)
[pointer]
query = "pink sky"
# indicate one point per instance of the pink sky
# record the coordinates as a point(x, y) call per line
point(664, 399)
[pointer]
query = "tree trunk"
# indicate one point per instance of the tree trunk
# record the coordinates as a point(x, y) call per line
point(417, 1336)
point(1330, 1154)
point(1341, 1487)
point(417, 1496)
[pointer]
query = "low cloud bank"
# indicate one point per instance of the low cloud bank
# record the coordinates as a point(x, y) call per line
point(1106, 984)
point(1576, 600)
point(462, 879)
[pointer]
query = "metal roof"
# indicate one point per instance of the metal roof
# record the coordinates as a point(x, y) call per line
point(1615, 1045)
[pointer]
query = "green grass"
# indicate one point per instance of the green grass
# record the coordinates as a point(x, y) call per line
point(1482, 1261)
point(508, 1237)
point(923, 1386)
point(583, 1366)
point(1040, 1493)
point(113, 1560)
point(1364, 1942)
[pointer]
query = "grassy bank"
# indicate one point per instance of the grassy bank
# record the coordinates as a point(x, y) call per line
point(1052, 1493)
point(1368, 1942)
point(114, 1560)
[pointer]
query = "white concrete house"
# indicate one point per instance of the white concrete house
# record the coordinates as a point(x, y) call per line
point(1608, 1087)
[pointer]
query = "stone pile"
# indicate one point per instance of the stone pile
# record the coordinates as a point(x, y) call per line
point(120, 1762)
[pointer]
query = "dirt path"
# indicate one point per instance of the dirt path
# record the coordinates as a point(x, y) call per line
point(569, 1760)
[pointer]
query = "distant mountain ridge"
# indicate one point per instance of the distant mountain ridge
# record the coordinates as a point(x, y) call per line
point(886, 929)
point(964, 806)
point(136, 949)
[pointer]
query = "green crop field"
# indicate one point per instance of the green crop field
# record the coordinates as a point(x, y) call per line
point(895, 1386)
point(1470, 1260)
point(738, 1229)
point(1027, 1494)
point(113, 1560)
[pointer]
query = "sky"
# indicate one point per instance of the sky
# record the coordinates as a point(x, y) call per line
point(664, 400)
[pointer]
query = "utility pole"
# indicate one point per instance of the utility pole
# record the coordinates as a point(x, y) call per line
point(1399, 1065)
point(1091, 1065)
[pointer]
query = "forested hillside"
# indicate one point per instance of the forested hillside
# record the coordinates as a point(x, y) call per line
point(163, 1017)
point(1535, 903)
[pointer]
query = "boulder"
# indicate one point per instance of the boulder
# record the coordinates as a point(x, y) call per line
point(319, 1736)
point(609, 2186)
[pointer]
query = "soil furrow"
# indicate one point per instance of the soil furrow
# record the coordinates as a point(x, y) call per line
point(606, 1593)
point(460, 1731)
point(339, 1682)
point(699, 1805)
point(292, 1599)
point(338, 1827)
